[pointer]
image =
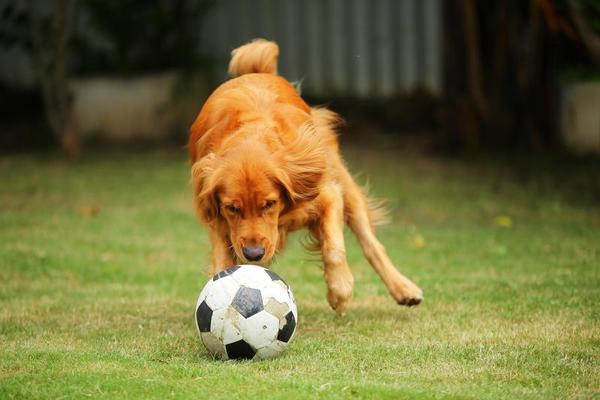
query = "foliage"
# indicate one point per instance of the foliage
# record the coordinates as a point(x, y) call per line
point(13, 25)
point(591, 10)
point(130, 36)
point(580, 74)
point(100, 267)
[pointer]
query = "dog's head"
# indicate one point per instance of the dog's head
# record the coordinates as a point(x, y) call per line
point(247, 188)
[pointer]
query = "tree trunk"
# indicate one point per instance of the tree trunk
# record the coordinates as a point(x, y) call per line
point(49, 63)
point(503, 86)
point(475, 70)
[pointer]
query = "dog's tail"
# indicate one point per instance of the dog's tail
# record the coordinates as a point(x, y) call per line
point(258, 56)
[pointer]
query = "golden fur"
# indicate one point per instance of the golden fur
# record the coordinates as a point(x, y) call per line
point(264, 163)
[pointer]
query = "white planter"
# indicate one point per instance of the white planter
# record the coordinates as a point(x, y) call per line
point(580, 117)
point(147, 107)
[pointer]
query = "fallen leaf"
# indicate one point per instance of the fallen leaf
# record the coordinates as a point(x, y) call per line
point(503, 221)
point(88, 211)
point(418, 241)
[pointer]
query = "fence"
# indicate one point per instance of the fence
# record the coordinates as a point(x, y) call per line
point(360, 48)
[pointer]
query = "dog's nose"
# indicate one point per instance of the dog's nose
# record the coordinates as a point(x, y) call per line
point(253, 253)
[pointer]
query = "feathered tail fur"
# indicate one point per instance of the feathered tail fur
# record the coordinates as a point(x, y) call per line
point(258, 56)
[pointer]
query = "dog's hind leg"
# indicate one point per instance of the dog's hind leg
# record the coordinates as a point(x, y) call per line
point(358, 217)
point(329, 232)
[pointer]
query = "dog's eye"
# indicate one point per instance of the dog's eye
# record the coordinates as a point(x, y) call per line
point(232, 209)
point(269, 204)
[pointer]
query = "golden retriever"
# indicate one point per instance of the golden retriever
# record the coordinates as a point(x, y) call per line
point(264, 163)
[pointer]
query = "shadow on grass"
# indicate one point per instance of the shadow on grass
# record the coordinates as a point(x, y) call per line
point(570, 177)
point(366, 317)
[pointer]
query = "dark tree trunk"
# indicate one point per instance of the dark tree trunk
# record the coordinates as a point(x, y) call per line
point(500, 74)
point(49, 61)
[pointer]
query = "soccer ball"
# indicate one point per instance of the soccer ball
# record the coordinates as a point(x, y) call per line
point(246, 311)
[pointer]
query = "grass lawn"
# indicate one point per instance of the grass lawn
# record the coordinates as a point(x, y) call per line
point(101, 262)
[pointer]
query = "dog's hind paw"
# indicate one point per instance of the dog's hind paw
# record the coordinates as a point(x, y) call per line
point(407, 294)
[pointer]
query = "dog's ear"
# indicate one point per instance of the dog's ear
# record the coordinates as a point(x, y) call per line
point(205, 182)
point(301, 165)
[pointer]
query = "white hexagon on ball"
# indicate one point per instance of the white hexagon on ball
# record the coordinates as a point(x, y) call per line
point(252, 276)
point(221, 292)
point(246, 312)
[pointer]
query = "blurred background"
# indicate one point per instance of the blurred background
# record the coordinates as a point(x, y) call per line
point(478, 121)
point(462, 76)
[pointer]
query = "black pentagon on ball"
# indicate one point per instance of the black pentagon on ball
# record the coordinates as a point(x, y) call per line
point(226, 272)
point(239, 349)
point(285, 333)
point(275, 277)
point(203, 317)
point(247, 301)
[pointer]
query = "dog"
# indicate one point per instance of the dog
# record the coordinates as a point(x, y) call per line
point(264, 163)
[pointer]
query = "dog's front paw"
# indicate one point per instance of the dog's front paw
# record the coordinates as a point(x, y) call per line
point(339, 293)
point(407, 294)
point(339, 298)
